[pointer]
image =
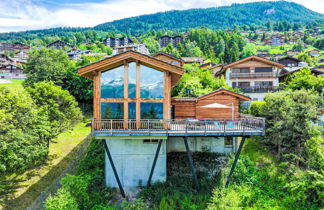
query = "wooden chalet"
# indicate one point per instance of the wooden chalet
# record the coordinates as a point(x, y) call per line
point(132, 114)
point(59, 45)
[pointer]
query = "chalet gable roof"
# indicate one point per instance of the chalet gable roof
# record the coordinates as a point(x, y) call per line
point(254, 58)
point(117, 60)
point(290, 58)
point(225, 91)
point(219, 91)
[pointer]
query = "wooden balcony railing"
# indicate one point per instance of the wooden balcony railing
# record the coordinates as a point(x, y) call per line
point(178, 127)
point(253, 75)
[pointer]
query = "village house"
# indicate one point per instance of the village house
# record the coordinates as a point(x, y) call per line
point(165, 40)
point(5, 60)
point(262, 53)
point(292, 53)
point(11, 72)
point(6, 47)
point(315, 53)
point(141, 48)
point(20, 46)
point(192, 60)
point(255, 76)
point(293, 40)
point(289, 61)
point(169, 58)
point(77, 54)
point(59, 45)
point(139, 123)
point(117, 42)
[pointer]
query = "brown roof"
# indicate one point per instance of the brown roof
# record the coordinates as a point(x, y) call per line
point(257, 58)
point(216, 92)
point(168, 55)
point(193, 59)
point(117, 60)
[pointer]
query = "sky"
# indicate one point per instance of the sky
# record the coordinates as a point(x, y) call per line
point(19, 15)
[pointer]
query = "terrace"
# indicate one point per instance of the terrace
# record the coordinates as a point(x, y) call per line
point(244, 126)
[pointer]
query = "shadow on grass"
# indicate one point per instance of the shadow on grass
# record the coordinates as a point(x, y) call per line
point(66, 165)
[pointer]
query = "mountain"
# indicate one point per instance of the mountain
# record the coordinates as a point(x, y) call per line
point(215, 18)
point(225, 17)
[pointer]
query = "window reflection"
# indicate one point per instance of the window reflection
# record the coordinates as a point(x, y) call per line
point(132, 80)
point(151, 82)
point(151, 110)
point(132, 110)
point(112, 110)
point(112, 83)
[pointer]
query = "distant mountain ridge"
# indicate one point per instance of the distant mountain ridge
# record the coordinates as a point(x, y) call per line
point(215, 18)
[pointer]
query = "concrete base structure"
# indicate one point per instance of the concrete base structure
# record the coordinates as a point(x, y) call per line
point(133, 159)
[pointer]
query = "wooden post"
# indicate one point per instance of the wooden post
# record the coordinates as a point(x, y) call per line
point(138, 95)
point(125, 94)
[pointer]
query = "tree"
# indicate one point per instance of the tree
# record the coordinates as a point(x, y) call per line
point(58, 105)
point(299, 46)
point(46, 65)
point(24, 132)
point(303, 79)
point(249, 50)
point(284, 132)
point(319, 44)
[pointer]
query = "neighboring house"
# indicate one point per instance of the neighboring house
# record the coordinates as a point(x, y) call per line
point(5, 60)
point(315, 53)
point(117, 42)
point(262, 53)
point(11, 72)
point(289, 61)
point(169, 58)
point(292, 53)
point(293, 41)
point(253, 75)
point(318, 70)
point(192, 60)
point(77, 54)
point(6, 47)
point(139, 122)
point(20, 46)
point(141, 48)
point(165, 40)
point(276, 41)
point(59, 45)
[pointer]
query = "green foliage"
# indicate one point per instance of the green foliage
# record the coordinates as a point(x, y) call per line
point(63, 201)
point(284, 132)
point(256, 107)
point(24, 132)
point(319, 44)
point(304, 79)
point(298, 47)
point(196, 82)
point(86, 189)
point(46, 65)
point(57, 104)
point(249, 50)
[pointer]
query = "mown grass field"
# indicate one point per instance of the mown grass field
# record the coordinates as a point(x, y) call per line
point(14, 84)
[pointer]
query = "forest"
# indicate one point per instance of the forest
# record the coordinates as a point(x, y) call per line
point(245, 15)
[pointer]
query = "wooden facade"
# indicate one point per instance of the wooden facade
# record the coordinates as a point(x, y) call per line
point(194, 107)
point(93, 71)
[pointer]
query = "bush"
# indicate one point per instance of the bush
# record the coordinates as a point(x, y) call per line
point(23, 132)
point(255, 108)
point(60, 107)
point(86, 188)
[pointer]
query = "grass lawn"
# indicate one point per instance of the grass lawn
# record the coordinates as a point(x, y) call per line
point(18, 191)
point(14, 83)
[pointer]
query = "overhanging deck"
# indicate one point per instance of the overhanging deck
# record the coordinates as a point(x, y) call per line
point(163, 128)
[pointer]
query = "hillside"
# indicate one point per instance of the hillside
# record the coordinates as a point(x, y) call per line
point(257, 13)
point(215, 18)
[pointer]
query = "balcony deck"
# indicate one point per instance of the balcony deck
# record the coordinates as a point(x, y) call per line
point(179, 127)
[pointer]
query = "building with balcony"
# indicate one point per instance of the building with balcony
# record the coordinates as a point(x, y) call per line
point(165, 40)
point(253, 75)
point(139, 123)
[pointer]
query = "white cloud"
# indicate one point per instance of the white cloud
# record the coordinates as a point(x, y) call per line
point(30, 14)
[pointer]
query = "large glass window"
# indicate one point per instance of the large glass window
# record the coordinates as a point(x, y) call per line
point(112, 110)
point(151, 82)
point(151, 110)
point(112, 83)
point(132, 110)
point(263, 69)
point(132, 80)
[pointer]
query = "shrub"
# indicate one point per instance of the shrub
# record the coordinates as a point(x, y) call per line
point(62, 201)
point(23, 132)
point(255, 108)
point(60, 107)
